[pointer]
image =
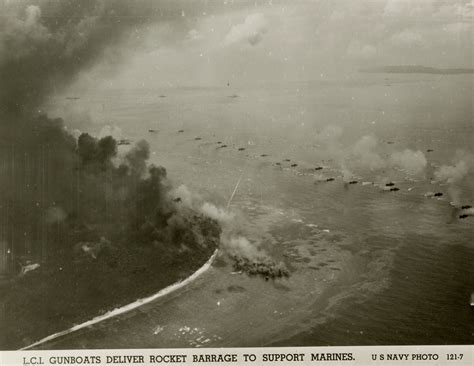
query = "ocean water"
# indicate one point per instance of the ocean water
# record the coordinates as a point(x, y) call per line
point(369, 267)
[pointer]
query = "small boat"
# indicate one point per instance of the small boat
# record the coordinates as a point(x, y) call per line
point(124, 142)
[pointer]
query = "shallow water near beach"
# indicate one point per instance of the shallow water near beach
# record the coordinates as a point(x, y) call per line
point(368, 266)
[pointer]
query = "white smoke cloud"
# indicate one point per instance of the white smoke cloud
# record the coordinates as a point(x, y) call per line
point(452, 173)
point(251, 30)
point(216, 213)
point(242, 247)
point(412, 162)
point(455, 174)
point(195, 202)
point(365, 151)
point(114, 131)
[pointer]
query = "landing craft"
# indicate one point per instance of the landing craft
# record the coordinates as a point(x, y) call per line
point(124, 142)
point(391, 184)
point(151, 130)
point(318, 168)
point(394, 189)
point(438, 194)
point(353, 182)
point(329, 179)
point(463, 216)
point(294, 165)
point(241, 148)
point(466, 207)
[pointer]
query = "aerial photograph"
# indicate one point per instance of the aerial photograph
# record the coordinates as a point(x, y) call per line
point(234, 173)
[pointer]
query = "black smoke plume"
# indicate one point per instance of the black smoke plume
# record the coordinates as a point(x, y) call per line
point(71, 210)
point(56, 189)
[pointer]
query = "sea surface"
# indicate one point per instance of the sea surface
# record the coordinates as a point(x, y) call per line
point(369, 266)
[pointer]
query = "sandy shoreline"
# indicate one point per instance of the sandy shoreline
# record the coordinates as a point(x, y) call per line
point(124, 309)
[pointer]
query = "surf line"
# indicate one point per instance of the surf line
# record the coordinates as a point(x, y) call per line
point(126, 308)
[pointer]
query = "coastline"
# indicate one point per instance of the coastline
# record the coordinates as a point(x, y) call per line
point(126, 308)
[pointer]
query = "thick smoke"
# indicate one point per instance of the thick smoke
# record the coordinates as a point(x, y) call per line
point(245, 255)
point(457, 175)
point(367, 154)
point(60, 188)
point(412, 162)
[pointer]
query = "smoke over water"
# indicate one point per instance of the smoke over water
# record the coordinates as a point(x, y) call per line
point(457, 175)
point(367, 154)
point(245, 255)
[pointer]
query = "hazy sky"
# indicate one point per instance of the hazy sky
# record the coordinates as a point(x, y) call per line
point(212, 42)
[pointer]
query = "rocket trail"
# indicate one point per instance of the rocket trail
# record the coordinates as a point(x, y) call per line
point(235, 190)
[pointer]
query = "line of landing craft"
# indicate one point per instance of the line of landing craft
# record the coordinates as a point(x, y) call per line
point(466, 210)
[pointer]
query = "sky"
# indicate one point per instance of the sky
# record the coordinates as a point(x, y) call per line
point(211, 42)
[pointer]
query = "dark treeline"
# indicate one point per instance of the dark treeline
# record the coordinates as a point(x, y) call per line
point(83, 231)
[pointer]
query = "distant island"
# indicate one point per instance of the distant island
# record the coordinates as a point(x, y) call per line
point(417, 69)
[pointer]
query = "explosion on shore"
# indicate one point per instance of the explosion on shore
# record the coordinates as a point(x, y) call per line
point(260, 266)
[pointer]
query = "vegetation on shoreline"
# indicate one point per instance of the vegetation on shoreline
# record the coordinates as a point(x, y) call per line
point(100, 231)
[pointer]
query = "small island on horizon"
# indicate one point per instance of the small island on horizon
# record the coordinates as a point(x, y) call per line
point(416, 69)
